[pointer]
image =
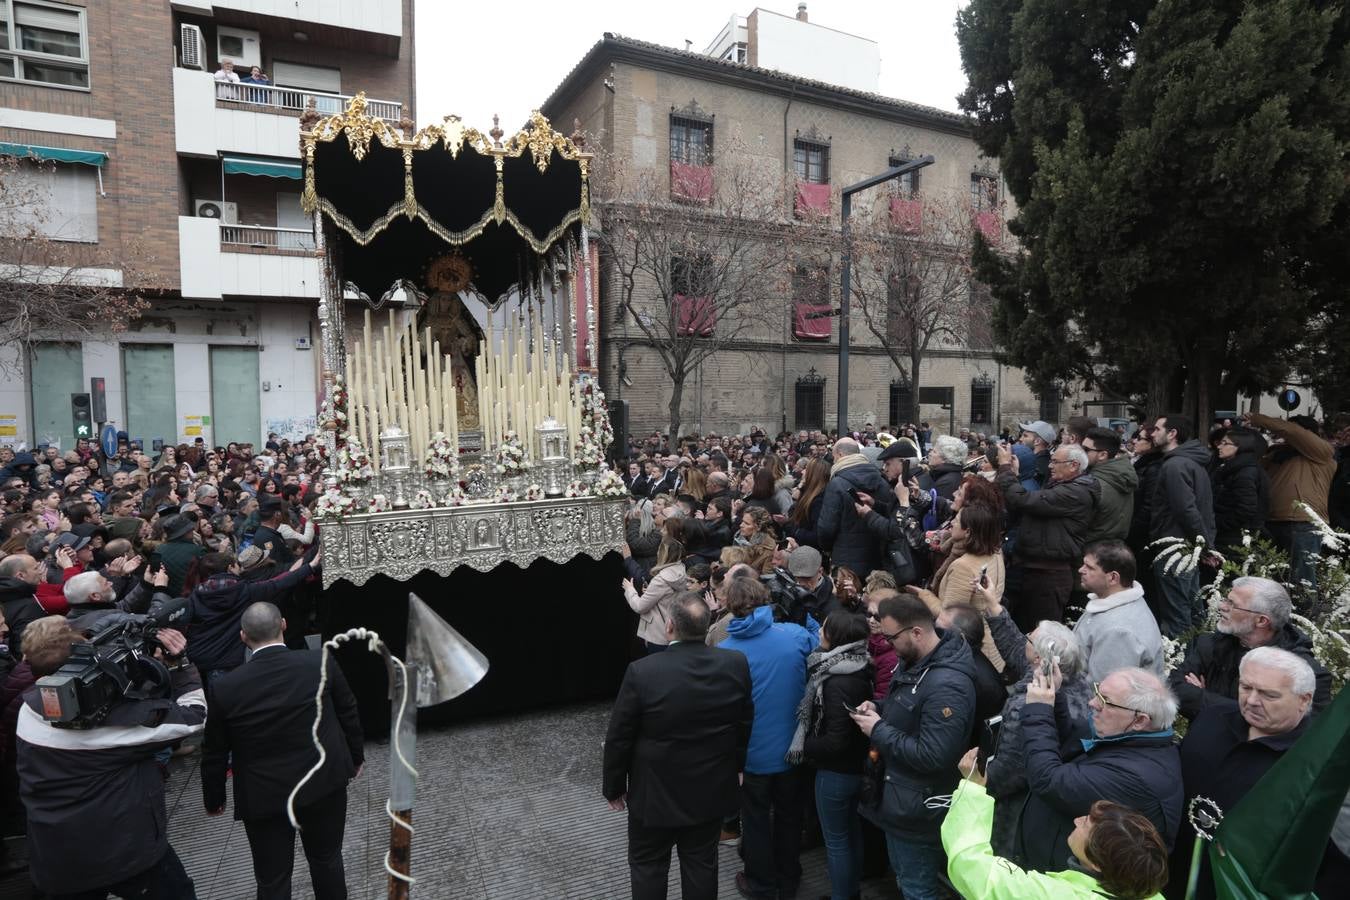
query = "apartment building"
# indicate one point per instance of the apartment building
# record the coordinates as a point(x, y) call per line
point(195, 183)
point(806, 96)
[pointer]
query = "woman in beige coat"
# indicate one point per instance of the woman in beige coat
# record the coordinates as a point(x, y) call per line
point(668, 580)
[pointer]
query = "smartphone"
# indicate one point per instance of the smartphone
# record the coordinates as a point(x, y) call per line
point(783, 544)
point(988, 742)
point(853, 492)
point(852, 710)
point(904, 470)
point(1048, 661)
point(984, 575)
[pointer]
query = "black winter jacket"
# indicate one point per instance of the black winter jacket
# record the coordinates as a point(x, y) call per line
point(18, 600)
point(837, 745)
point(1183, 500)
point(1241, 499)
point(840, 530)
point(1146, 467)
point(1215, 657)
point(100, 789)
point(1141, 771)
point(1053, 519)
point(946, 478)
point(924, 729)
point(215, 608)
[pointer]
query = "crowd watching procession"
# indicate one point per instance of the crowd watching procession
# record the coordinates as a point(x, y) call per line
point(950, 652)
point(217, 548)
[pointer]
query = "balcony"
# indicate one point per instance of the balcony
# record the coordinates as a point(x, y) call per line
point(264, 239)
point(283, 100)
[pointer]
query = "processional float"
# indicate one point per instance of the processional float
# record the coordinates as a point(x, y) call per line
point(453, 439)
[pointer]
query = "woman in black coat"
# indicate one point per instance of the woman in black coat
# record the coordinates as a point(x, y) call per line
point(1241, 488)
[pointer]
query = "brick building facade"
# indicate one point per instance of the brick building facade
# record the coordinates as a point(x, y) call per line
point(628, 94)
point(226, 349)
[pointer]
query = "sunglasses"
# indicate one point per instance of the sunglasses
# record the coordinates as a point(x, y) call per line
point(1097, 689)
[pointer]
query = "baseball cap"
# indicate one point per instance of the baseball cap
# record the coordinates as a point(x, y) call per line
point(803, 562)
point(72, 540)
point(1043, 430)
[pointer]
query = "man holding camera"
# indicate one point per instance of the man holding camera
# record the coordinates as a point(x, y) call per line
point(95, 795)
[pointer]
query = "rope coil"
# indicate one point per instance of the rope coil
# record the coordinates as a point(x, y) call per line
point(375, 645)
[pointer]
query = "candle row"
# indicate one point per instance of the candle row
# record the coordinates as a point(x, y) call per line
point(521, 386)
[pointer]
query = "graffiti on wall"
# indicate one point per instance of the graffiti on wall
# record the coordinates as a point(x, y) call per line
point(292, 428)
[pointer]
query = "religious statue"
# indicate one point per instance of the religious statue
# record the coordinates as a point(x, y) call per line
point(455, 328)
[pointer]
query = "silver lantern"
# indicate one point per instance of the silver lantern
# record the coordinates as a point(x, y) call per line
point(395, 464)
point(553, 460)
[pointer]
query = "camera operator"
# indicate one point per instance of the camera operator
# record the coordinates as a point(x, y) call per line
point(96, 796)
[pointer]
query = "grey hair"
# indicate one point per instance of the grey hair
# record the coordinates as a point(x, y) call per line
point(261, 622)
point(1268, 598)
point(1075, 454)
point(79, 588)
point(645, 523)
point(951, 449)
point(1149, 695)
point(675, 511)
point(206, 490)
point(1066, 647)
point(1302, 681)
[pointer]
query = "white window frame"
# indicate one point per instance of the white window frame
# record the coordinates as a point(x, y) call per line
point(18, 56)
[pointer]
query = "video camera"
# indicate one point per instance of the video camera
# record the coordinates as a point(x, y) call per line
point(117, 662)
point(790, 599)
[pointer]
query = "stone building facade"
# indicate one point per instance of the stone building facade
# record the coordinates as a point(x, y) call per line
point(629, 95)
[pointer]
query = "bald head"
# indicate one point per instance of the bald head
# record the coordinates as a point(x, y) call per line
point(846, 447)
point(261, 624)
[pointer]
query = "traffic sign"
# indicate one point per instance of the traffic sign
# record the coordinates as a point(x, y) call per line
point(1289, 400)
point(107, 439)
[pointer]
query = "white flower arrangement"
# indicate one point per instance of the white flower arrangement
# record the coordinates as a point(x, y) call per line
point(353, 464)
point(454, 497)
point(594, 414)
point(380, 503)
point(609, 484)
point(533, 492)
point(422, 500)
point(333, 504)
point(589, 453)
point(577, 489)
point(510, 457)
point(506, 495)
point(333, 410)
point(442, 457)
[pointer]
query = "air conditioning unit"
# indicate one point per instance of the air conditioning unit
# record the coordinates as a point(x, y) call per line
point(240, 45)
point(191, 47)
point(217, 209)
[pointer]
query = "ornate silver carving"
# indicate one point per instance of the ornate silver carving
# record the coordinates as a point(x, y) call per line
point(481, 536)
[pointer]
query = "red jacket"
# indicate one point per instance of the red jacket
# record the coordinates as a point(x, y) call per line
point(52, 597)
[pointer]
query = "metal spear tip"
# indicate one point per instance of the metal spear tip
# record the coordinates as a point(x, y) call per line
point(447, 664)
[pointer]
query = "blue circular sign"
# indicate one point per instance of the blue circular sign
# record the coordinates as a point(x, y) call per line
point(1289, 399)
point(107, 440)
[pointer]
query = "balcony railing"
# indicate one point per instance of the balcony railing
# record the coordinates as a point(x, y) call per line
point(294, 99)
point(265, 237)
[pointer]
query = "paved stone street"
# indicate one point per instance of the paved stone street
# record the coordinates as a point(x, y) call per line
point(506, 808)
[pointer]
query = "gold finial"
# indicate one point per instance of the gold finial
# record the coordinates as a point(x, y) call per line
point(310, 117)
point(578, 136)
point(496, 131)
point(406, 125)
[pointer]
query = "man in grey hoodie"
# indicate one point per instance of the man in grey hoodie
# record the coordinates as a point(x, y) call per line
point(1117, 630)
point(1183, 507)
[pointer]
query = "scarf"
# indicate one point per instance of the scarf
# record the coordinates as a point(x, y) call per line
point(848, 462)
point(820, 666)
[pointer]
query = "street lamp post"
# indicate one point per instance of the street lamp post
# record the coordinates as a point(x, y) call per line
point(845, 210)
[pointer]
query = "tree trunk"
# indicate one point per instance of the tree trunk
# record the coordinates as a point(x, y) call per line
point(915, 360)
point(1156, 401)
point(676, 396)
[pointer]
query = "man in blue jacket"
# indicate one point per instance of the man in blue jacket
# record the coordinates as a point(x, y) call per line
point(921, 731)
point(773, 791)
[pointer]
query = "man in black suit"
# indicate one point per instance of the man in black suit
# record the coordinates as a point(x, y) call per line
point(676, 745)
point(262, 713)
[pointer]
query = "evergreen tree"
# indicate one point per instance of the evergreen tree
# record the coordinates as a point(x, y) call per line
point(1180, 172)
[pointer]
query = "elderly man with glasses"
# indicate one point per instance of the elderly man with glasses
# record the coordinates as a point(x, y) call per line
point(1255, 613)
point(1128, 757)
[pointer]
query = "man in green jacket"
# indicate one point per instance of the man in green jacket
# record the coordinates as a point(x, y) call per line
point(1108, 465)
point(178, 552)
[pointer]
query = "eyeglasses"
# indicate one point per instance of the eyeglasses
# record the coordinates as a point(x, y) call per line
point(1231, 605)
point(1226, 444)
point(892, 637)
point(1097, 689)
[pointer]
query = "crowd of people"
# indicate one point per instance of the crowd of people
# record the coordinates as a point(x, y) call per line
point(955, 650)
point(217, 547)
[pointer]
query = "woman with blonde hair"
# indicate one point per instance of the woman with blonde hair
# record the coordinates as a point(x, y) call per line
point(695, 484)
point(668, 580)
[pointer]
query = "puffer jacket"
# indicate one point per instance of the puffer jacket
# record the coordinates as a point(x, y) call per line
point(653, 607)
point(643, 549)
point(1141, 770)
point(215, 608)
point(883, 665)
point(1241, 499)
point(1215, 658)
point(841, 531)
point(1115, 508)
point(1054, 519)
point(1183, 501)
point(924, 729)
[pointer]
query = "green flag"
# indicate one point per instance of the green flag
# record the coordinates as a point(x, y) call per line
point(1271, 843)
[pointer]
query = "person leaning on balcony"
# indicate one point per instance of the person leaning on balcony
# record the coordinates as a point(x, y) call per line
point(256, 76)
